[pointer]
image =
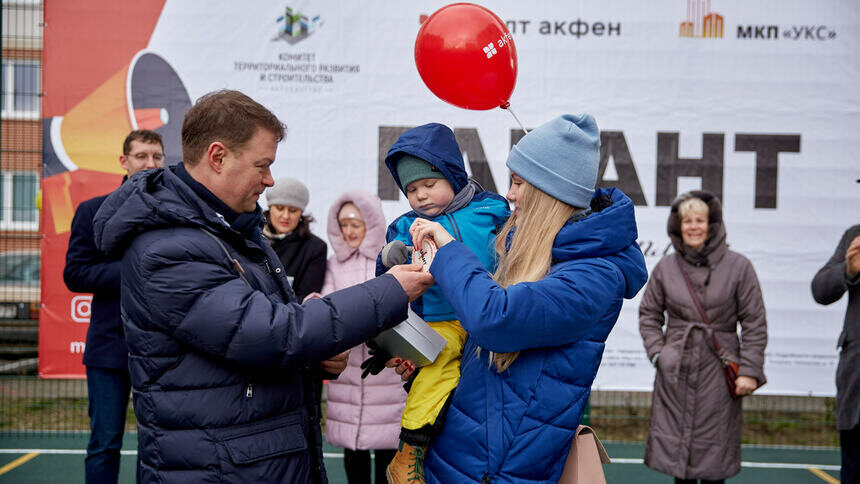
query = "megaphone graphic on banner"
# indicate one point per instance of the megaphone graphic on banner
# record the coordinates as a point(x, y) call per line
point(146, 94)
point(85, 144)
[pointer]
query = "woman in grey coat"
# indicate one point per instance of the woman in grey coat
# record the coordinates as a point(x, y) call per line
point(695, 423)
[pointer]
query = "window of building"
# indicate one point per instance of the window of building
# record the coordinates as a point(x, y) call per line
point(21, 89)
point(18, 199)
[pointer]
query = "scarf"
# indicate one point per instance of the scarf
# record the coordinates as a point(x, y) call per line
point(247, 223)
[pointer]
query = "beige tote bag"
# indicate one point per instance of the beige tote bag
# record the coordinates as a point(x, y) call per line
point(585, 460)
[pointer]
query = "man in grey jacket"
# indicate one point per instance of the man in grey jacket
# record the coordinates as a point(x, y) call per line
point(841, 274)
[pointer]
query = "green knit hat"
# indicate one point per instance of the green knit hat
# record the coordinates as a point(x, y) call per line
point(411, 168)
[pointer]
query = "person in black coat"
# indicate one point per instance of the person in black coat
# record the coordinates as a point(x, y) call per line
point(841, 274)
point(89, 270)
point(302, 253)
point(222, 359)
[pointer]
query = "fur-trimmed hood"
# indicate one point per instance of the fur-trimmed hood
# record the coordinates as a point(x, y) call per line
point(374, 220)
point(715, 245)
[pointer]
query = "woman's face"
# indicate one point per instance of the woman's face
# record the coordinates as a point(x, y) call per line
point(694, 229)
point(284, 218)
point(515, 193)
point(351, 225)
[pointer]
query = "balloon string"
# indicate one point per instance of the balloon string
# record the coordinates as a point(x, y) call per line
point(516, 118)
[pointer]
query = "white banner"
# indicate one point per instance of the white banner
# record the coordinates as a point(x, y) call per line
point(757, 101)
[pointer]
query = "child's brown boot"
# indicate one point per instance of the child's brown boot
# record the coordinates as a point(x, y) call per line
point(407, 466)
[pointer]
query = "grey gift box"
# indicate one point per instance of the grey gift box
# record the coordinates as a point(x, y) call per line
point(413, 340)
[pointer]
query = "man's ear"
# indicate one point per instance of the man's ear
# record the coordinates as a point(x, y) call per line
point(123, 162)
point(215, 156)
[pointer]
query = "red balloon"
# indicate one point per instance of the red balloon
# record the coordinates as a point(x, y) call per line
point(466, 56)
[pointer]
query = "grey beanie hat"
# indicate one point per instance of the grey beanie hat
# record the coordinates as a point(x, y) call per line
point(289, 192)
point(560, 158)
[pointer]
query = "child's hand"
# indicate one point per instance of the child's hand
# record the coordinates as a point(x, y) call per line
point(424, 228)
point(394, 253)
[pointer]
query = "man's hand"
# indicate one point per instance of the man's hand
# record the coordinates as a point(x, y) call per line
point(852, 258)
point(336, 364)
point(411, 279)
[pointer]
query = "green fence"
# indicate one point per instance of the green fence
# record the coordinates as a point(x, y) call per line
point(32, 406)
point(768, 420)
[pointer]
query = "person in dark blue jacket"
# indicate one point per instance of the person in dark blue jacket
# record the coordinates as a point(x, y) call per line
point(88, 270)
point(536, 327)
point(223, 360)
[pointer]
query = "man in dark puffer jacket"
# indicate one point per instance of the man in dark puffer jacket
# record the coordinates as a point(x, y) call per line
point(222, 358)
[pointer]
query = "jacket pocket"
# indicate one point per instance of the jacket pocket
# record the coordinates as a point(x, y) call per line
point(668, 361)
point(263, 439)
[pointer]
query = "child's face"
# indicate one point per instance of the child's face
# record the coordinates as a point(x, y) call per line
point(429, 195)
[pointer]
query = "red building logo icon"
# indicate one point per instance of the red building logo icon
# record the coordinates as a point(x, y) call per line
point(701, 22)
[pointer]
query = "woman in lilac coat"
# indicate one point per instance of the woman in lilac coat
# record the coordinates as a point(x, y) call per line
point(362, 414)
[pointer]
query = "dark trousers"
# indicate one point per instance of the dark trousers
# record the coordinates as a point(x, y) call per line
point(108, 402)
point(693, 481)
point(849, 440)
point(357, 463)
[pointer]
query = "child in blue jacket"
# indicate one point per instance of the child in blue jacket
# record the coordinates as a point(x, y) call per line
point(427, 164)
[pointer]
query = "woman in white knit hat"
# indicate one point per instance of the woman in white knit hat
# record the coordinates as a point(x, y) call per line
point(287, 227)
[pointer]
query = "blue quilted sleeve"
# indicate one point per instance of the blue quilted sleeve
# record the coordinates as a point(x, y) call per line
point(559, 309)
point(175, 286)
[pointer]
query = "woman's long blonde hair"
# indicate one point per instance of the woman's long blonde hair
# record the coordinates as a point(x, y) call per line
point(530, 255)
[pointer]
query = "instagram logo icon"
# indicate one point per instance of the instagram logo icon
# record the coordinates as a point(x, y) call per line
point(82, 308)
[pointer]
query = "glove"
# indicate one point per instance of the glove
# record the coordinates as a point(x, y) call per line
point(394, 253)
point(376, 362)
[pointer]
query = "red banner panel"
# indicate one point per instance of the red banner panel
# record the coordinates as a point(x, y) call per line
point(90, 50)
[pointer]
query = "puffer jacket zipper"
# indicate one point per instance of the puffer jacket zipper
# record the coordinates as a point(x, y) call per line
point(455, 227)
point(488, 382)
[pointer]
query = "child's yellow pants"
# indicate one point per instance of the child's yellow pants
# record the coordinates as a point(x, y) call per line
point(437, 380)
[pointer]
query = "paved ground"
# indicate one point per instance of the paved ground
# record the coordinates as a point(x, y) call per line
point(55, 458)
